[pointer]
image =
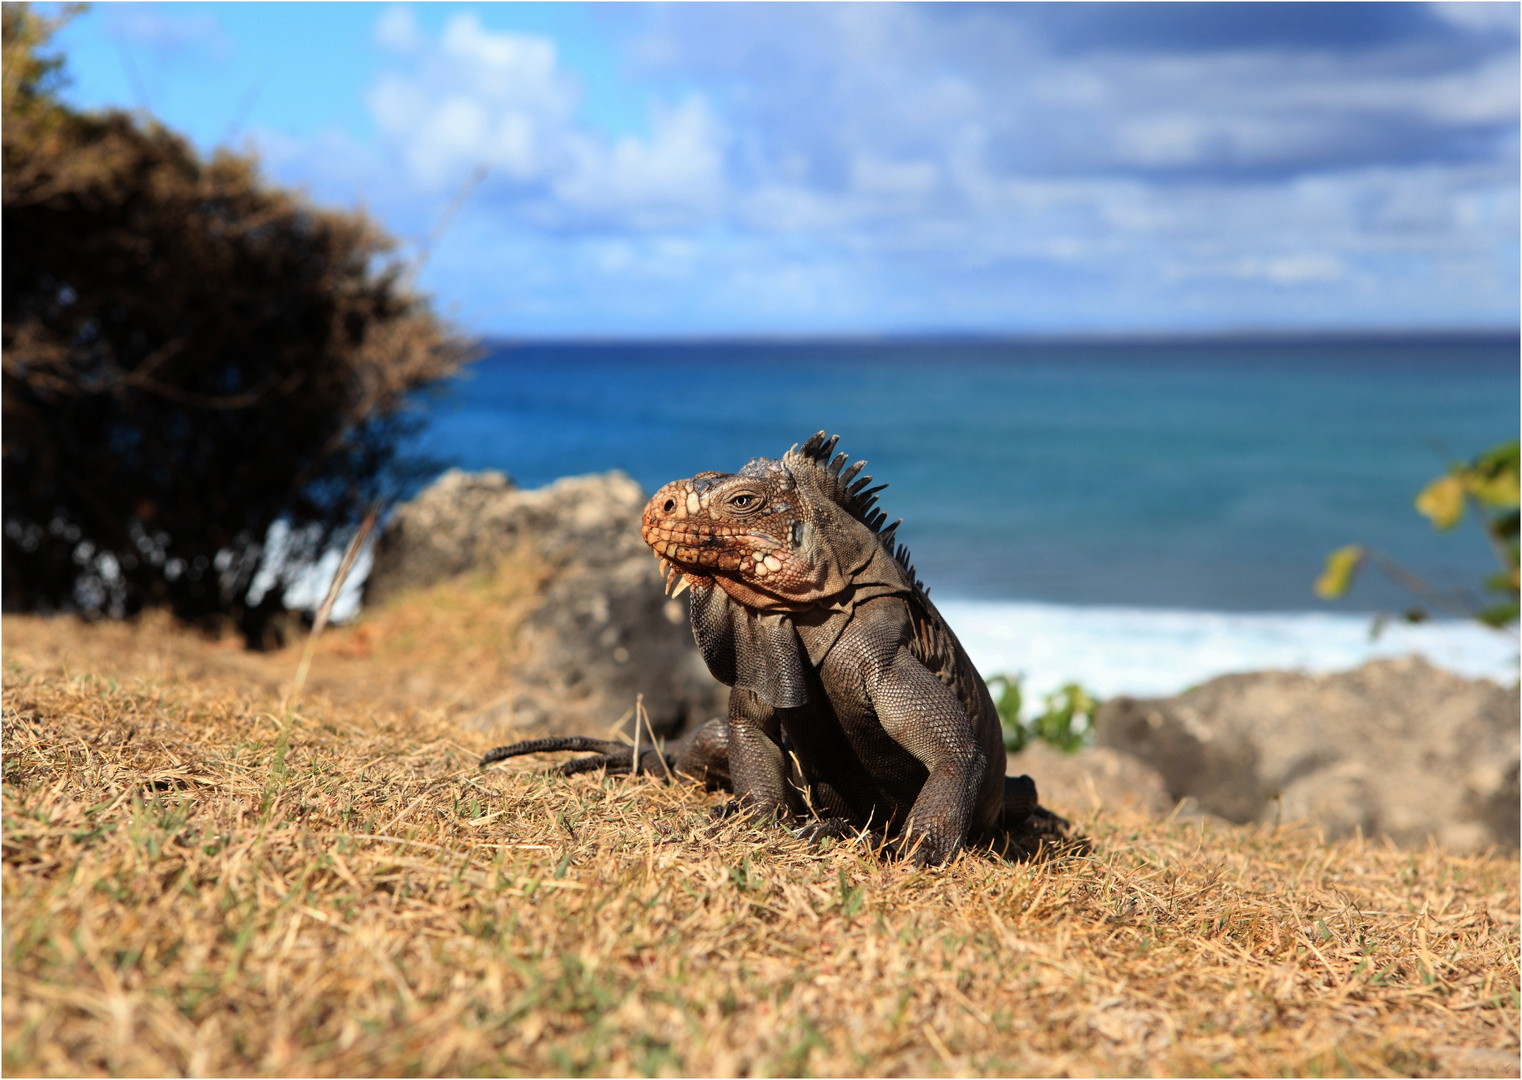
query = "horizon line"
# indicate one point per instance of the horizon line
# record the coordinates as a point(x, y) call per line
point(1436, 336)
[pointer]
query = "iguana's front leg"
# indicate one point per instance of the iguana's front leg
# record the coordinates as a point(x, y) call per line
point(757, 765)
point(922, 715)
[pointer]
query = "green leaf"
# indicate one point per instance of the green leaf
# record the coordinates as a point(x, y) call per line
point(1341, 565)
point(1008, 699)
point(1499, 490)
point(1503, 457)
point(1505, 581)
point(1068, 719)
point(1500, 615)
point(1006, 694)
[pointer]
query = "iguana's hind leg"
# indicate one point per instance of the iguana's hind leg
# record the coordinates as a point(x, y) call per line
point(1028, 830)
point(1020, 801)
point(703, 755)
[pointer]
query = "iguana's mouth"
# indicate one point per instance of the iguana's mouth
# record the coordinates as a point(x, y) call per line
point(688, 555)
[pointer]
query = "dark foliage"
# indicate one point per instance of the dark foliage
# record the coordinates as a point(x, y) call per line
point(189, 355)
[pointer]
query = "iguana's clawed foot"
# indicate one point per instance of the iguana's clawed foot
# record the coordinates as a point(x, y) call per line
point(741, 808)
point(725, 810)
point(921, 851)
point(918, 851)
point(832, 828)
point(1040, 835)
point(892, 849)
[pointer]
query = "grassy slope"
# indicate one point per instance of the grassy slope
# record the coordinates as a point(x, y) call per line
point(178, 899)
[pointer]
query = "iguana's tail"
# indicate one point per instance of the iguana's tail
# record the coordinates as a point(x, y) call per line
point(615, 757)
point(579, 743)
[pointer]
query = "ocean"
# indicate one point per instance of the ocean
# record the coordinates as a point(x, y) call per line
point(1135, 515)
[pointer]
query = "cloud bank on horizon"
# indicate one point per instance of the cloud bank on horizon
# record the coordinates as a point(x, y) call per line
point(801, 169)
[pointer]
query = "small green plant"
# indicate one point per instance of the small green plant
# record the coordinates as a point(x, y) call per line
point(1066, 722)
point(1487, 488)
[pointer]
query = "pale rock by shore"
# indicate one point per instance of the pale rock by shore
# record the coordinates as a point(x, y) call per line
point(1092, 779)
point(602, 632)
point(1394, 748)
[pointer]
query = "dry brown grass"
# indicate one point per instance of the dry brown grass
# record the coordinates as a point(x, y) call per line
point(451, 646)
point(181, 898)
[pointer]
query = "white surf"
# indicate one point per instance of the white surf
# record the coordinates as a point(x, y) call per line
point(1148, 652)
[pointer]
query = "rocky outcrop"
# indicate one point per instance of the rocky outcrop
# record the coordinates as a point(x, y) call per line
point(1395, 748)
point(1092, 779)
point(603, 630)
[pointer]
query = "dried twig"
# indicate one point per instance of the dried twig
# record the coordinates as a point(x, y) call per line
point(660, 749)
point(639, 707)
point(325, 609)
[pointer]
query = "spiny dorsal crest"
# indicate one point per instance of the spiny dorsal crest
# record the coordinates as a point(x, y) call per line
point(840, 483)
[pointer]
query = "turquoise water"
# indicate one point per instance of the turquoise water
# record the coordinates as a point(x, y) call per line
point(1194, 476)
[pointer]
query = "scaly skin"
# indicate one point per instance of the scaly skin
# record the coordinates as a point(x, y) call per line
point(852, 700)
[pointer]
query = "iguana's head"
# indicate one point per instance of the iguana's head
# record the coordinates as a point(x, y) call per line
point(779, 534)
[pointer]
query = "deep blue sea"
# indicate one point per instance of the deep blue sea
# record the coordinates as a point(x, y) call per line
point(1205, 476)
point(1138, 516)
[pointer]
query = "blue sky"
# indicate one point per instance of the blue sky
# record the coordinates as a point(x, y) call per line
point(696, 169)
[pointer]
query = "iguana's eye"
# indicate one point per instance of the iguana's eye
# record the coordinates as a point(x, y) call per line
point(744, 501)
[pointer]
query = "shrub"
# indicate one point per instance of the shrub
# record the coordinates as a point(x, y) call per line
point(1487, 488)
point(1066, 720)
point(190, 354)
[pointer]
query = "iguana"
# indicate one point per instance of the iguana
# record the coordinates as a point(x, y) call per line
point(853, 702)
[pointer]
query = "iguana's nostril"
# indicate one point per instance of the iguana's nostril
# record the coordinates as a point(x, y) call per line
point(670, 505)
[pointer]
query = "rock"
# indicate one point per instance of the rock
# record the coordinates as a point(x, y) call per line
point(603, 631)
point(1395, 748)
point(1090, 779)
point(460, 519)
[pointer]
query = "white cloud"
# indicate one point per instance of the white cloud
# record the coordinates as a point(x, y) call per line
point(149, 27)
point(514, 69)
point(1483, 15)
point(1301, 268)
point(874, 176)
point(676, 177)
point(891, 167)
point(503, 100)
point(475, 98)
point(398, 30)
